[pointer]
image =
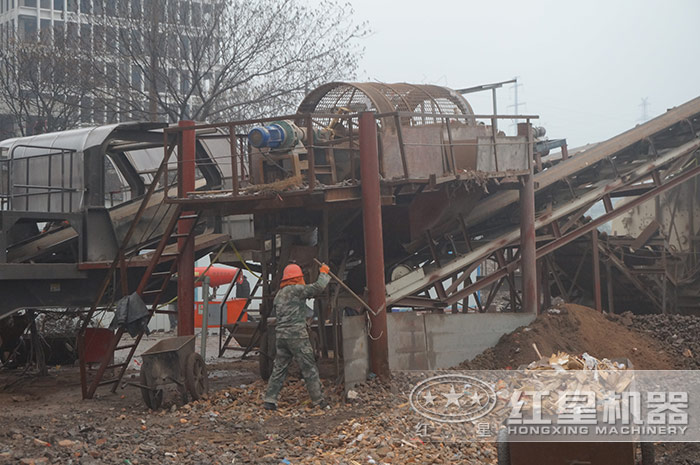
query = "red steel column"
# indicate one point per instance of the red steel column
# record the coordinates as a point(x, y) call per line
point(528, 261)
point(185, 265)
point(596, 272)
point(374, 246)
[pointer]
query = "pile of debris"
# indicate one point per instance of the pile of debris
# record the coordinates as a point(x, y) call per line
point(573, 329)
point(561, 361)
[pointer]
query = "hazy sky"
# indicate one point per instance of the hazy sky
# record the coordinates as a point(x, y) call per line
point(584, 66)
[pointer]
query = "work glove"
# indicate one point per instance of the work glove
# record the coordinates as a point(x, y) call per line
point(324, 269)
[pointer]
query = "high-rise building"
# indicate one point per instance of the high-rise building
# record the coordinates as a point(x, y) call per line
point(109, 29)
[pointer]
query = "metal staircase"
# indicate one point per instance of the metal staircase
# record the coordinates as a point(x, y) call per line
point(152, 286)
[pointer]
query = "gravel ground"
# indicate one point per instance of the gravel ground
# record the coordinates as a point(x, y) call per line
point(679, 334)
point(46, 422)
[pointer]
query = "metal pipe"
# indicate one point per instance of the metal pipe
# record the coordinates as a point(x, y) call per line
point(234, 161)
point(611, 299)
point(222, 305)
point(185, 265)
point(663, 276)
point(310, 152)
point(205, 317)
point(345, 286)
point(528, 245)
point(48, 193)
point(596, 272)
point(374, 246)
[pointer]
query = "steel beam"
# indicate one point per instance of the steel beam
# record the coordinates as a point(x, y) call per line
point(611, 297)
point(580, 161)
point(620, 209)
point(374, 245)
point(596, 271)
point(641, 287)
point(528, 245)
point(185, 264)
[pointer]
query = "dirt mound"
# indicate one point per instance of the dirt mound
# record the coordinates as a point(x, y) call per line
point(576, 329)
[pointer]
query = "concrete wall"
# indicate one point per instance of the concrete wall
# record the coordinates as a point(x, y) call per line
point(427, 341)
point(355, 350)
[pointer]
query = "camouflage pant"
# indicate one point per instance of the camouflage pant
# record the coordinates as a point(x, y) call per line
point(300, 350)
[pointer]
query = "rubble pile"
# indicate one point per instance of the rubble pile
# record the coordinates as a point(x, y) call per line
point(562, 361)
point(679, 334)
point(573, 329)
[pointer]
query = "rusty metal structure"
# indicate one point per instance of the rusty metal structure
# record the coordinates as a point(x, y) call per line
point(433, 156)
point(68, 201)
point(418, 203)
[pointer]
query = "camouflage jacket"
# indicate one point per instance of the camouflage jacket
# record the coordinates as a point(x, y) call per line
point(290, 307)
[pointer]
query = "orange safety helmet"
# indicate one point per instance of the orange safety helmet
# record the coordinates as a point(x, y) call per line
point(292, 271)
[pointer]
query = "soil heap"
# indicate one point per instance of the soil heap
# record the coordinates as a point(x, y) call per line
point(574, 329)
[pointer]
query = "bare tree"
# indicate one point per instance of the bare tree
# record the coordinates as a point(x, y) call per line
point(39, 85)
point(221, 60)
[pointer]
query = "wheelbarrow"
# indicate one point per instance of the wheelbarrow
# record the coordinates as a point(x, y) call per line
point(172, 361)
point(574, 453)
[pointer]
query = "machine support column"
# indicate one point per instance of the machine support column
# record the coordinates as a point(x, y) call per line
point(611, 297)
point(185, 265)
point(528, 262)
point(374, 246)
point(596, 271)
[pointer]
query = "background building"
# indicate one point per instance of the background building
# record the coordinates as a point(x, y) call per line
point(113, 40)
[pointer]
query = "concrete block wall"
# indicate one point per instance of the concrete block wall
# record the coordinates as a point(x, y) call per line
point(428, 341)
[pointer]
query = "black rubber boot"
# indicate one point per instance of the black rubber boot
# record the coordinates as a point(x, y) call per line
point(269, 406)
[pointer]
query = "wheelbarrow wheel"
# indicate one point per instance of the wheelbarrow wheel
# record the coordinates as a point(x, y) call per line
point(153, 398)
point(502, 448)
point(648, 456)
point(196, 377)
point(268, 350)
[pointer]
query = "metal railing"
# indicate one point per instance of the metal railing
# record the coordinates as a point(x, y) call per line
point(335, 131)
point(9, 196)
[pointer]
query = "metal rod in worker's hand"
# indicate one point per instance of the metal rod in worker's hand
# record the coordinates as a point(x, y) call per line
point(345, 286)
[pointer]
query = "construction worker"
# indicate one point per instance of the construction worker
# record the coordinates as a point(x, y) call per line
point(292, 337)
point(243, 288)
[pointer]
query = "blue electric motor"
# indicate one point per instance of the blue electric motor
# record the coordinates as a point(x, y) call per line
point(278, 135)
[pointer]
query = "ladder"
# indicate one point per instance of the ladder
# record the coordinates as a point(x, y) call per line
point(88, 389)
point(152, 286)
